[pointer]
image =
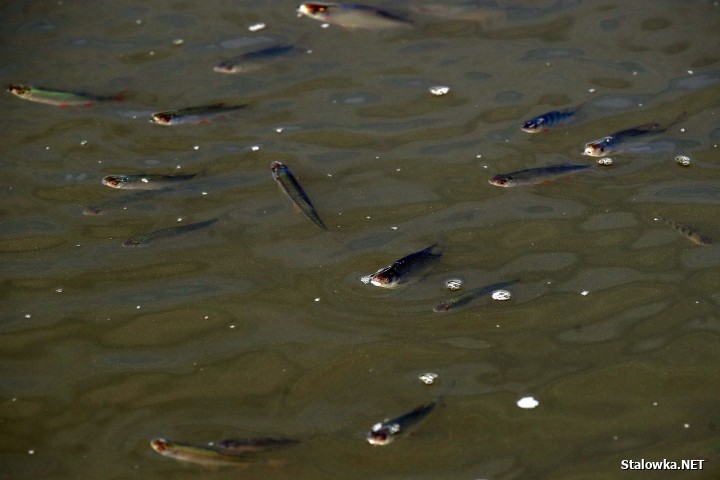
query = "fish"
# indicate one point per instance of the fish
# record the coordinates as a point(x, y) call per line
point(61, 98)
point(618, 142)
point(144, 182)
point(613, 143)
point(352, 15)
point(534, 176)
point(193, 115)
point(543, 123)
point(385, 432)
point(282, 175)
point(118, 202)
point(227, 452)
point(466, 298)
point(255, 60)
point(143, 240)
point(691, 233)
point(396, 274)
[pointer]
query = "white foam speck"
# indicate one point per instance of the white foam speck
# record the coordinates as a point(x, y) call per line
point(527, 402)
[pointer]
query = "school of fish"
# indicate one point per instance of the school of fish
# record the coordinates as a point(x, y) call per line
point(413, 266)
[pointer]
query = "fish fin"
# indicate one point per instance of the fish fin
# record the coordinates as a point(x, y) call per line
point(89, 104)
point(547, 182)
point(296, 209)
point(204, 121)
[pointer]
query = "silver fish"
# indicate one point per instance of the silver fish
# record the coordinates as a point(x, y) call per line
point(352, 15)
point(385, 432)
point(395, 274)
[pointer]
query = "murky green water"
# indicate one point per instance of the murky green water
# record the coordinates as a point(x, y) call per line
point(259, 325)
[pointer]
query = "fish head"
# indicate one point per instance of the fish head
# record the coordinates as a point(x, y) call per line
point(533, 126)
point(442, 307)
point(379, 435)
point(132, 242)
point(385, 278)
point(316, 10)
point(163, 118)
point(598, 148)
point(115, 181)
point(276, 168)
point(18, 90)
point(226, 67)
point(501, 180)
point(594, 150)
point(162, 446)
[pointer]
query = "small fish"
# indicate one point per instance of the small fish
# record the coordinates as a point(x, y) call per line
point(144, 182)
point(193, 115)
point(166, 232)
point(691, 233)
point(470, 296)
point(352, 16)
point(533, 176)
point(61, 98)
point(618, 142)
point(282, 175)
point(385, 432)
point(613, 143)
point(255, 60)
point(119, 202)
point(395, 274)
point(228, 452)
point(255, 444)
point(543, 123)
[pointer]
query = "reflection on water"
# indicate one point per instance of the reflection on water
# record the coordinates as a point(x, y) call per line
point(260, 325)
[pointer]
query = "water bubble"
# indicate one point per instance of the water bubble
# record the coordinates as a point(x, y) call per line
point(428, 378)
point(606, 162)
point(366, 279)
point(527, 402)
point(439, 90)
point(453, 284)
point(257, 27)
point(501, 295)
point(683, 160)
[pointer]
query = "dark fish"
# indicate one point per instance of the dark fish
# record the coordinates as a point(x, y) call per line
point(470, 296)
point(691, 233)
point(395, 274)
point(194, 115)
point(533, 176)
point(352, 16)
point(166, 232)
point(255, 60)
point(228, 452)
point(621, 141)
point(282, 175)
point(144, 182)
point(119, 202)
point(61, 98)
point(254, 444)
point(548, 120)
point(385, 432)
